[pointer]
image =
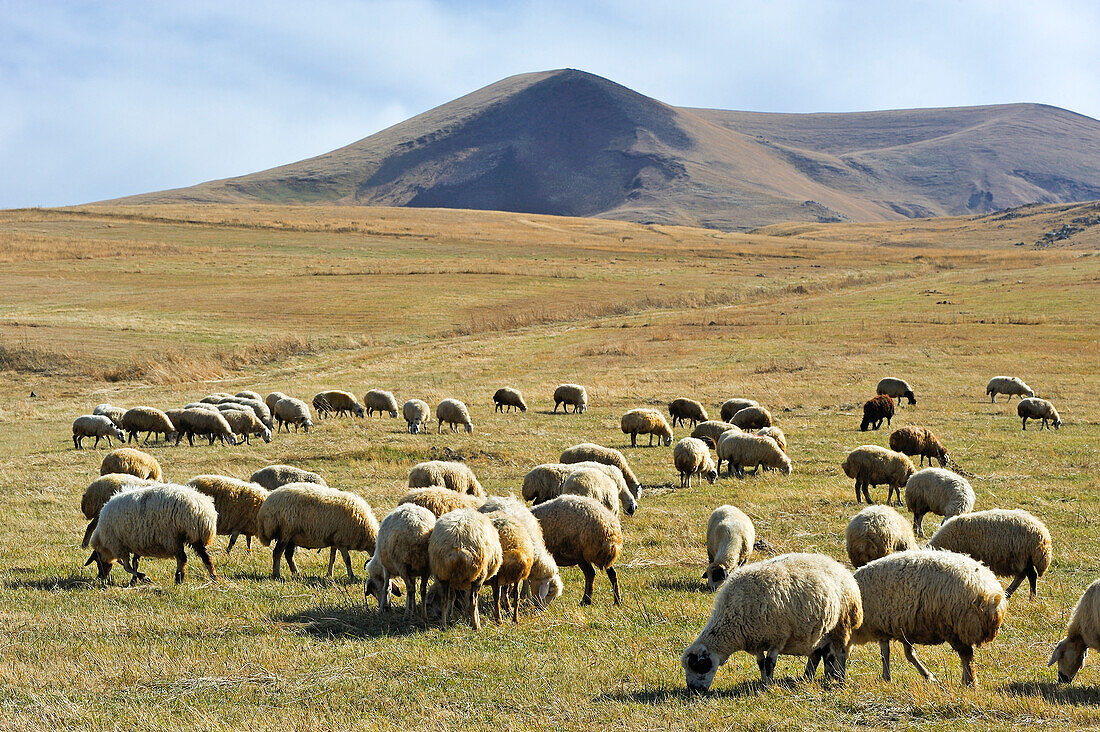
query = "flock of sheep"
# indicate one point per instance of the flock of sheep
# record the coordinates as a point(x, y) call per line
point(446, 527)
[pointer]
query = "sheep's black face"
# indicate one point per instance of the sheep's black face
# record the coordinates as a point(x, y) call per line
point(699, 668)
point(712, 475)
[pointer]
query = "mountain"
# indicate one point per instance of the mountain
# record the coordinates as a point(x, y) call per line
point(570, 143)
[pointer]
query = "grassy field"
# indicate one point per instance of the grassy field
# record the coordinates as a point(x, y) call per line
point(161, 305)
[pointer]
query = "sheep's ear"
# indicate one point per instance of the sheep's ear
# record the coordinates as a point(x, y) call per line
point(91, 559)
point(1057, 653)
point(394, 589)
point(544, 590)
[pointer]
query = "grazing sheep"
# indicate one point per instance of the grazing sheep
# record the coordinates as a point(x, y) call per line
point(320, 403)
point(711, 431)
point(454, 413)
point(1036, 408)
point(730, 540)
point(237, 503)
point(871, 465)
point(546, 482)
point(112, 413)
point(216, 398)
point(507, 398)
point(402, 551)
point(295, 412)
point(342, 403)
point(647, 422)
point(456, 476)
point(752, 418)
point(149, 420)
point(1008, 385)
point(314, 516)
point(938, 491)
point(245, 423)
point(776, 434)
point(276, 476)
point(249, 395)
point(377, 400)
point(731, 407)
point(1012, 543)
point(793, 605)
point(578, 531)
point(98, 426)
point(258, 407)
point(593, 483)
point(741, 450)
point(683, 410)
point(875, 532)
point(1082, 633)
point(99, 491)
point(544, 582)
point(571, 394)
point(417, 413)
point(134, 462)
point(928, 598)
point(896, 388)
point(910, 440)
point(153, 521)
point(464, 552)
point(517, 554)
point(272, 399)
point(692, 457)
point(204, 422)
point(591, 452)
point(875, 410)
point(440, 500)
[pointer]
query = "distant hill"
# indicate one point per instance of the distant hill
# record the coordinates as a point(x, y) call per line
point(570, 143)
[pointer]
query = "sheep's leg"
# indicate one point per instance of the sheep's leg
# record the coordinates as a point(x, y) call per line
point(347, 563)
point(232, 541)
point(633, 439)
point(248, 542)
point(966, 657)
point(331, 561)
point(614, 578)
point(496, 601)
point(475, 616)
point(181, 562)
point(867, 492)
point(814, 658)
point(515, 603)
point(912, 658)
point(1032, 578)
point(589, 578)
point(276, 557)
point(410, 594)
point(766, 662)
point(858, 499)
point(1025, 425)
point(884, 651)
point(424, 596)
point(290, 547)
point(918, 524)
point(1015, 583)
point(206, 561)
point(740, 471)
point(448, 600)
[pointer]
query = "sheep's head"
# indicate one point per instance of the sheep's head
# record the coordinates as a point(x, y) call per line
point(699, 667)
point(711, 475)
point(715, 576)
point(266, 434)
point(120, 435)
point(415, 428)
point(910, 396)
point(666, 440)
point(630, 506)
point(1069, 655)
point(358, 411)
point(306, 424)
point(103, 564)
point(469, 427)
point(944, 458)
point(393, 413)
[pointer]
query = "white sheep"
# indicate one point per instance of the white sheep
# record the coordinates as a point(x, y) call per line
point(134, 462)
point(111, 412)
point(776, 434)
point(377, 400)
point(207, 422)
point(98, 426)
point(571, 394)
point(593, 483)
point(591, 452)
point(712, 430)
point(546, 482)
point(464, 553)
point(417, 413)
point(402, 551)
point(272, 399)
point(687, 410)
point(1082, 633)
point(237, 503)
point(938, 491)
point(871, 465)
point(454, 475)
point(792, 605)
point(646, 421)
point(1012, 543)
point(730, 540)
point(258, 407)
point(313, 516)
point(741, 450)
point(249, 395)
point(752, 418)
point(153, 521)
point(276, 476)
point(338, 402)
point(1010, 385)
point(1036, 408)
point(731, 407)
point(98, 492)
point(506, 399)
point(692, 457)
point(290, 411)
point(896, 388)
point(149, 420)
point(927, 598)
point(580, 532)
point(244, 422)
point(875, 532)
point(440, 500)
point(454, 413)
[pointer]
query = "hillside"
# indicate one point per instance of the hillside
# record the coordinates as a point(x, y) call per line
point(570, 143)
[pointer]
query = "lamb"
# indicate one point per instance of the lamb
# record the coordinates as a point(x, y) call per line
point(692, 457)
point(455, 413)
point(249, 395)
point(1009, 542)
point(647, 422)
point(507, 398)
point(456, 476)
point(571, 394)
point(295, 412)
point(741, 451)
point(98, 426)
point(875, 410)
point(402, 551)
point(1036, 408)
point(730, 540)
point(153, 521)
point(896, 388)
point(237, 503)
point(752, 418)
point(731, 407)
point(938, 491)
point(380, 401)
point(313, 516)
point(112, 413)
point(131, 461)
point(1082, 633)
point(544, 582)
point(276, 476)
point(272, 399)
point(207, 422)
point(244, 422)
point(546, 482)
point(440, 500)
point(1008, 385)
point(578, 531)
point(98, 492)
point(776, 434)
point(417, 413)
point(928, 598)
point(875, 532)
point(595, 483)
point(464, 552)
point(793, 604)
point(712, 430)
point(517, 554)
point(340, 402)
point(910, 440)
point(682, 410)
point(871, 465)
point(591, 452)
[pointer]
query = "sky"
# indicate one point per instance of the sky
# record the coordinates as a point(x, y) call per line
point(100, 99)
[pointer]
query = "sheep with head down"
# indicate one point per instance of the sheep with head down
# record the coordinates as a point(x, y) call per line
point(459, 477)
point(1082, 633)
point(731, 407)
point(401, 551)
point(896, 388)
point(1040, 409)
point(379, 400)
point(741, 450)
point(646, 421)
point(591, 452)
point(575, 395)
point(98, 426)
point(1010, 385)
point(454, 413)
point(464, 553)
point(686, 410)
point(712, 430)
point(692, 457)
point(506, 399)
point(730, 540)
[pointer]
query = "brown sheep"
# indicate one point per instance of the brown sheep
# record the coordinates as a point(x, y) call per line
point(911, 440)
point(684, 410)
point(875, 410)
